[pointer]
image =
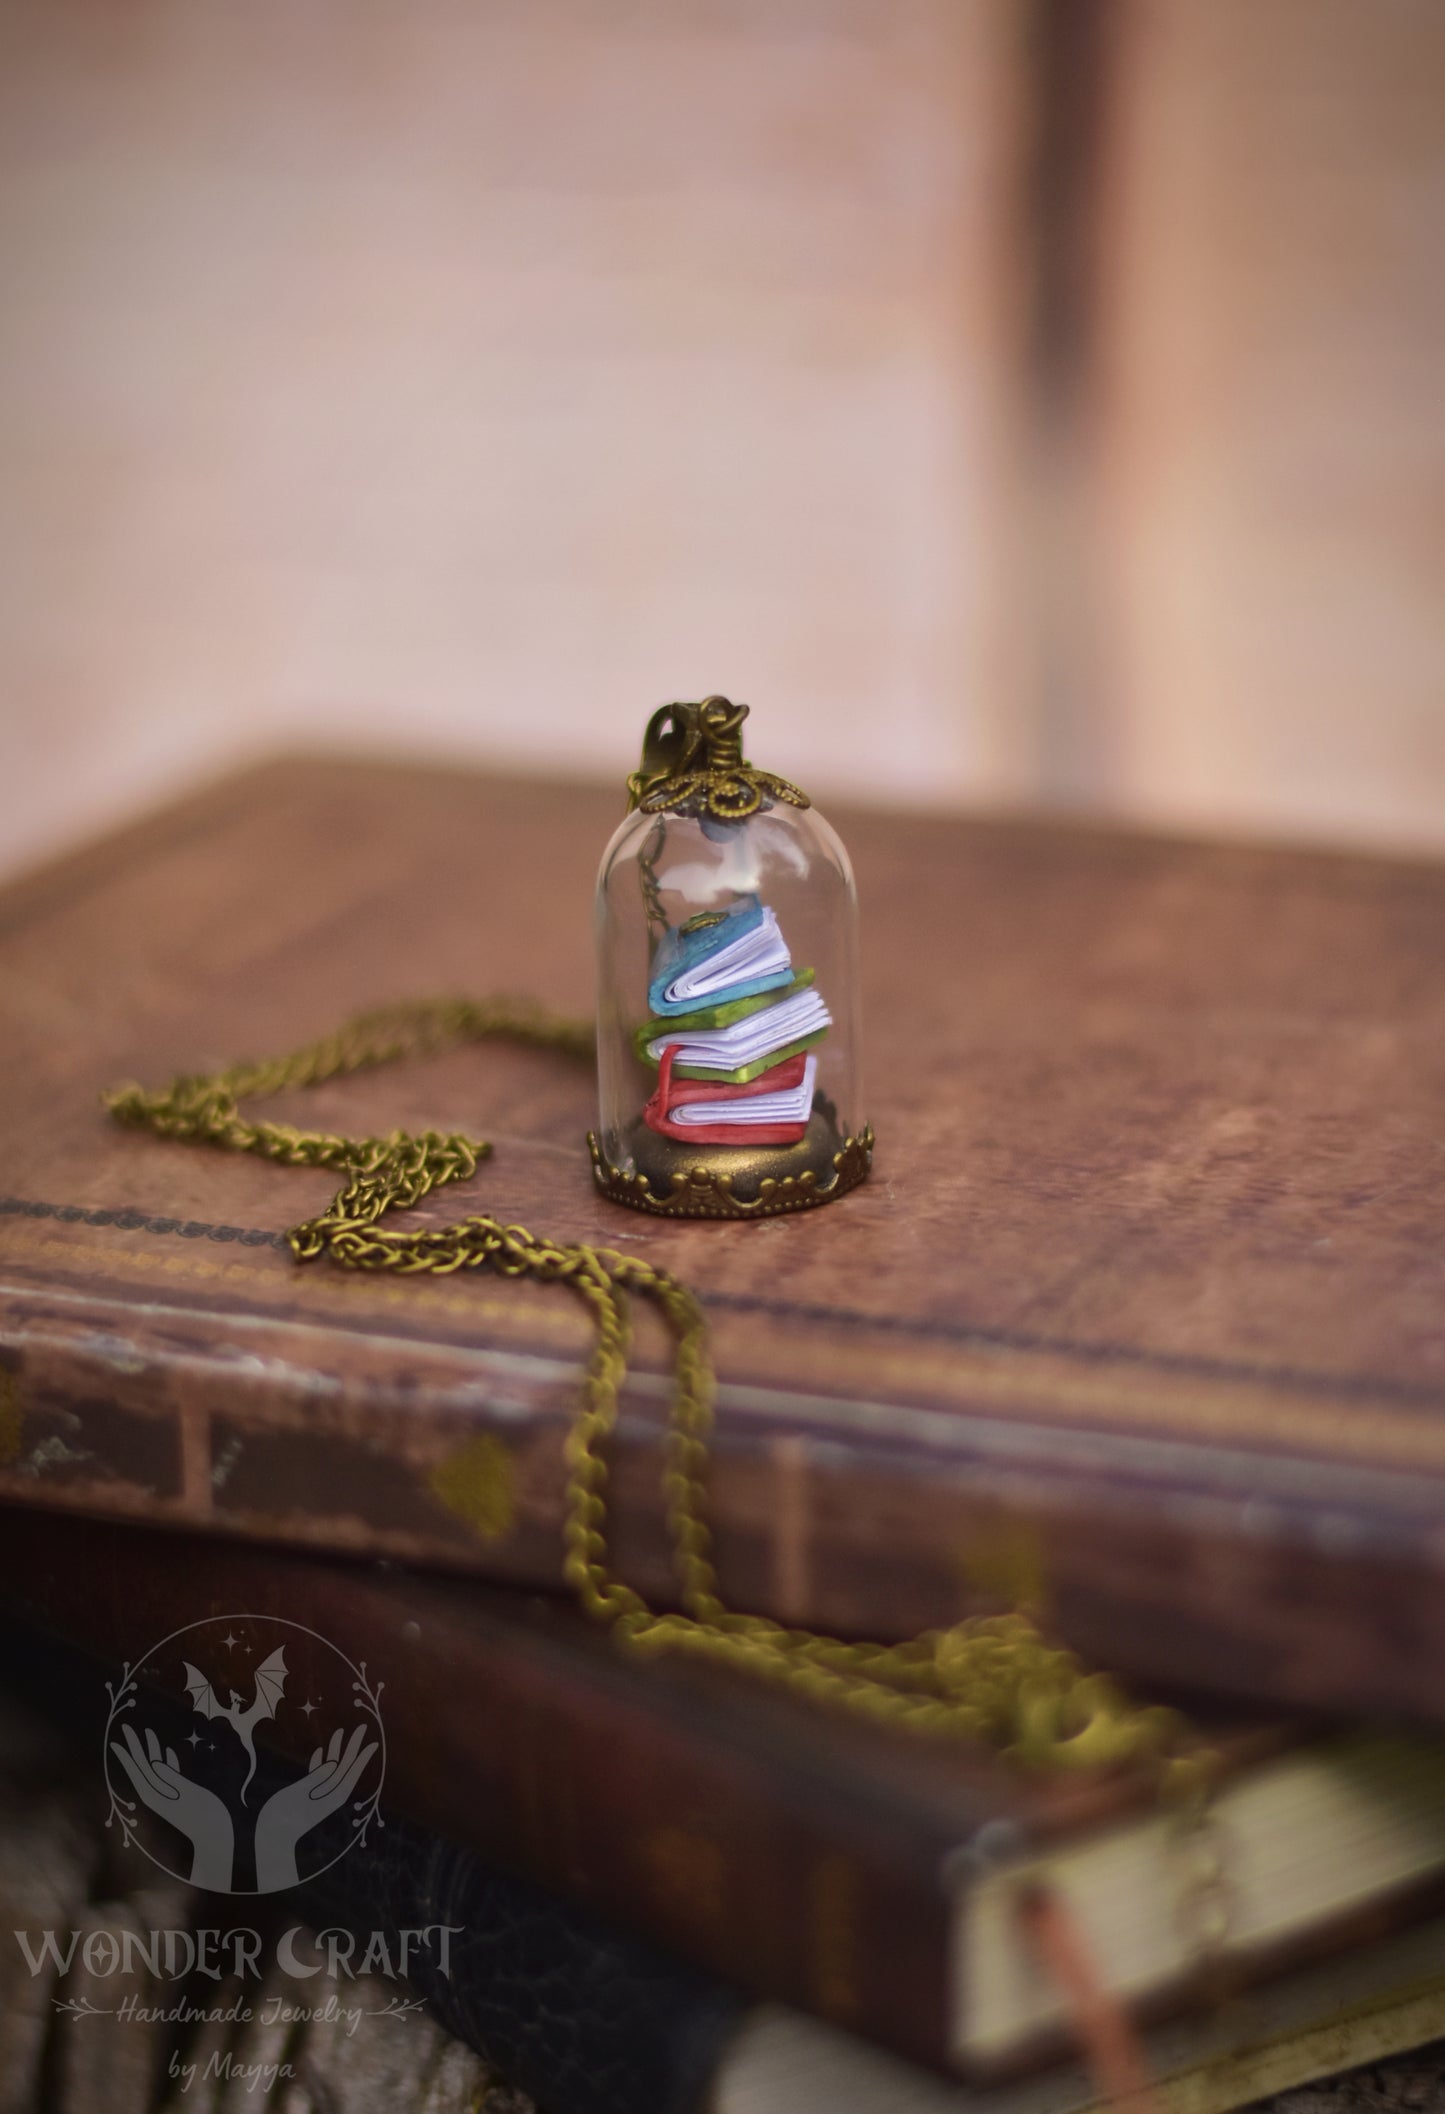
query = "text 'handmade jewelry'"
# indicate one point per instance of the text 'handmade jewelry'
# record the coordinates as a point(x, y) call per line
point(727, 1019)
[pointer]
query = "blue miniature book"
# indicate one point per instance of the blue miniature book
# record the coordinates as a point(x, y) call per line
point(736, 953)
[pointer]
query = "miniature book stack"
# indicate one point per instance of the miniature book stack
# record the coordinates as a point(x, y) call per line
point(733, 1031)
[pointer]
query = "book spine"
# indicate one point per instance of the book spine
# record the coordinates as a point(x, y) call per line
point(552, 1755)
point(453, 1454)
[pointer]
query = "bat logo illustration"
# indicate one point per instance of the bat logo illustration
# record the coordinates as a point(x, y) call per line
point(270, 1687)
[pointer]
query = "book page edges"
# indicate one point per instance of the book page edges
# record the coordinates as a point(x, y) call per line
point(1307, 1840)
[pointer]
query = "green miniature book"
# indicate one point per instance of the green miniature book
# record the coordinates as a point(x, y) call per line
point(720, 1016)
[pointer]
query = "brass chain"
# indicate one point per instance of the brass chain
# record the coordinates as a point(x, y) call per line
point(993, 1679)
point(647, 875)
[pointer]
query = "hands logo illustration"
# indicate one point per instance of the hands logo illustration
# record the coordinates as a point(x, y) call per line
point(208, 1813)
point(205, 1820)
point(200, 1816)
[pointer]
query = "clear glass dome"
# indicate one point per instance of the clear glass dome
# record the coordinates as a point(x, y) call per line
point(727, 1026)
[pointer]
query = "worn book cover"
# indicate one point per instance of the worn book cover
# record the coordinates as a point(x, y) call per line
point(1141, 1318)
point(869, 1876)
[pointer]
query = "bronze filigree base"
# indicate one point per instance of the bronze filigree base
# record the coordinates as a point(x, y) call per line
point(734, 1181)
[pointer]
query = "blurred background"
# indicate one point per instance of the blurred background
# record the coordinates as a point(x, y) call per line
point(1024, 402)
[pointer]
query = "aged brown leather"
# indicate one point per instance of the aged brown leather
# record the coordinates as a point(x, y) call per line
point(1143, 1311)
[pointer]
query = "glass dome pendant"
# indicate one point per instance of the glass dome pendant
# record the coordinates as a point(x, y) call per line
point(727, 973)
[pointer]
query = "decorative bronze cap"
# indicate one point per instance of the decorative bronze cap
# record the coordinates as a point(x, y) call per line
point(693, 764)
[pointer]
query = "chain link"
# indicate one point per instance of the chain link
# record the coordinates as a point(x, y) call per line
point(995, 1680)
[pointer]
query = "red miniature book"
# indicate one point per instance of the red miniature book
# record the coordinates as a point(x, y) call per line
point(772, 1109)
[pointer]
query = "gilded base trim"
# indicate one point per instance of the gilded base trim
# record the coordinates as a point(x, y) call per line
point(698, 1190)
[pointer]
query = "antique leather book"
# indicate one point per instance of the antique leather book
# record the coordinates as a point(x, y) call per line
point(867, 1876)
point(1142, 1314)
point(586, 2017)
